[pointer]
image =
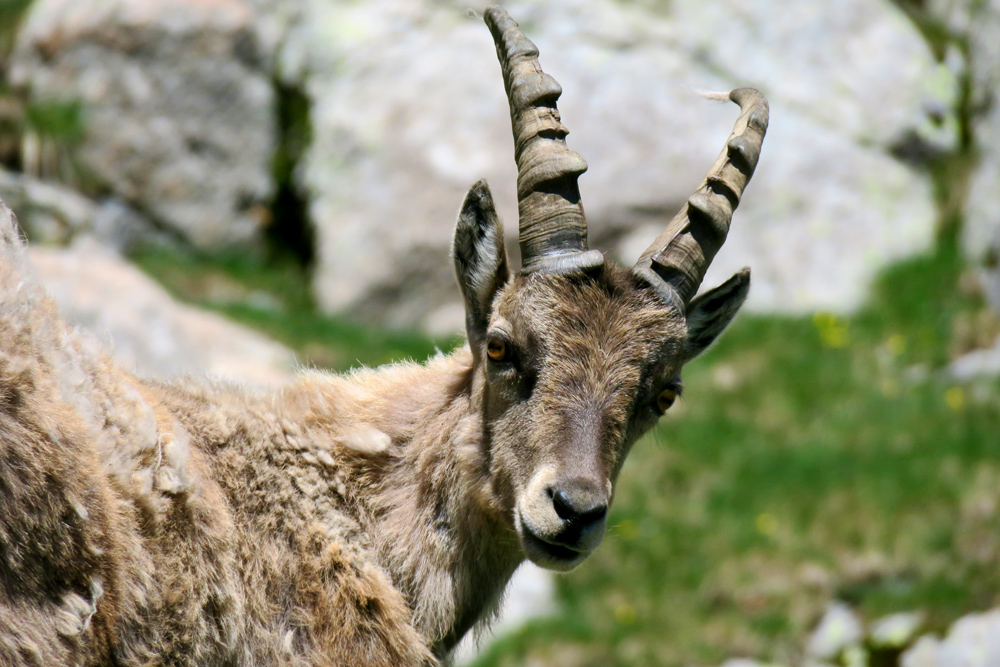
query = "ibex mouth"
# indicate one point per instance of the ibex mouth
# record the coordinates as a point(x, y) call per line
point(548, 554)
point(560, 519)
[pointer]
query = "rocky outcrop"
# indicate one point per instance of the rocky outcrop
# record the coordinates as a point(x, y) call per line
point(144, 327)
point(178, 111)
point(408, 112)
point(52, 214)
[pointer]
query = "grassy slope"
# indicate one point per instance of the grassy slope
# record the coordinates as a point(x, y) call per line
point(812, 458)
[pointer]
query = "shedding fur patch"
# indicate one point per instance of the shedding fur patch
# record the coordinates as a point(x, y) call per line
point(366, 439)
point(76, 611)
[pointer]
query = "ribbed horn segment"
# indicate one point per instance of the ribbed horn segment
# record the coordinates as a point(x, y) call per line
point(553, 229)
point(676, 262)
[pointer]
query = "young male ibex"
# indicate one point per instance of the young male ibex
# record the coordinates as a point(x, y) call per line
point(367, 519)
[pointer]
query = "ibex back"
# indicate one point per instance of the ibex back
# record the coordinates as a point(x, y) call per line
point(367, 519)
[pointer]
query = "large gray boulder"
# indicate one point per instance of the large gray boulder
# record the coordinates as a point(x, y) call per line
point(51, 213)
point(408, 110)
point(179, 117)
point(146, 329)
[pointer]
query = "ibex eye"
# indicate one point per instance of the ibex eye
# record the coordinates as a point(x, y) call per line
point(498, 350)
point(665, 400)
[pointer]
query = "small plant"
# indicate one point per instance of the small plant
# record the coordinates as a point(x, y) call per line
point(52, 130)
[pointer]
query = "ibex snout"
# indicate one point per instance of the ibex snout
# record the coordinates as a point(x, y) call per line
point(560, 521)
point(582, 507)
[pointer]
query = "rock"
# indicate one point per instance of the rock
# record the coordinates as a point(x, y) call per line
point(144, 327)
point(977, 363)
point(408, 110)
point(529, 595)
point(982, 215)
point(839, 630)
point(978, 22)
point(973, 641)
point(178, 112)
point(923, 653)
point(50, 213)
point(47, 212)
point(895, 630)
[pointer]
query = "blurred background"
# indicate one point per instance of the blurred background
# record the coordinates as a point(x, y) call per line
point(243, 186)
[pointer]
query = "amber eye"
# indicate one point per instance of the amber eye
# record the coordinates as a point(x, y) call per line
point(665, 399)
point(497, 349)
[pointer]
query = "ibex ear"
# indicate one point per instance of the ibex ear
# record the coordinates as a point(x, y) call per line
point(711, 313)
point(480, 260)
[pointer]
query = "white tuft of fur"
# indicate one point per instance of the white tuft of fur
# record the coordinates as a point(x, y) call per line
point(366, 439)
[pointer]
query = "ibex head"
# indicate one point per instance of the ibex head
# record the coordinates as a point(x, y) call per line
point(575, 358)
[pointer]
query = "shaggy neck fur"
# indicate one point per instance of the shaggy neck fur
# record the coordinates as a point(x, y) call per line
point(419, 482)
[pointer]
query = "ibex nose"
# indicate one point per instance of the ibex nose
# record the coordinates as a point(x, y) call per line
point(582, 507)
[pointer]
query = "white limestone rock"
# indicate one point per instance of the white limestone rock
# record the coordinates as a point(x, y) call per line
point(839, 630)
point(408, 111)
point(178, 110)
point(144, 328)
point(51, 213)
point(896, 630)
point(973, 641)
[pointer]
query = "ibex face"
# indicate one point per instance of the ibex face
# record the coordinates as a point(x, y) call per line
point(576, 358)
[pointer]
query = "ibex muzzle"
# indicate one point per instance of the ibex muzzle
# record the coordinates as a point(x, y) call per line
point(575, 358)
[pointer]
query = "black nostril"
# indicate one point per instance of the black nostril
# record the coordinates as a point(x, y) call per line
point(581, 512)
point(563, 507)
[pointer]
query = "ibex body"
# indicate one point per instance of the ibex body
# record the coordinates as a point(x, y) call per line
point(367, 519)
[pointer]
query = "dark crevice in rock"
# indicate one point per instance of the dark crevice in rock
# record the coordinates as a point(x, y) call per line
point(949, 170)
point(11, 104)
point(290, 232)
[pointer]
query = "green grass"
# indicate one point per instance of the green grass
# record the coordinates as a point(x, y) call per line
point(62, 122)
point(812, 458)
point(11, 13)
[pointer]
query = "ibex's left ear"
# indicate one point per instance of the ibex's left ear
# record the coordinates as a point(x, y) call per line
point(710, 313)
point(480, 260)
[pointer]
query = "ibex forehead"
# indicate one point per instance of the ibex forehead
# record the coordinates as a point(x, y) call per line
point(602, 314)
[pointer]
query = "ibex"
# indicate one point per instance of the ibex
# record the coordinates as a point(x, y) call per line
point(366, 519)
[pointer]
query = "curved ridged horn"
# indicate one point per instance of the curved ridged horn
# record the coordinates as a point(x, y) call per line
point(553, 229)
point(676, 262)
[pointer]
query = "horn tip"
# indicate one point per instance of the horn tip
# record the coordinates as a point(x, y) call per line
point(714, 95)
point(495, 16)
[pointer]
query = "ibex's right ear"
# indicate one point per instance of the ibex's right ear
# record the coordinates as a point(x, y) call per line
point(480, 260)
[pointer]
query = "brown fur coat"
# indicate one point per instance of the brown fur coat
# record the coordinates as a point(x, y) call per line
point(200, 523)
